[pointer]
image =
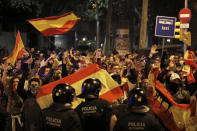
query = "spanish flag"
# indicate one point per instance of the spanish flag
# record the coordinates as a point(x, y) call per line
point(174, 116)
point(110, 89)
point(191, 65)
point(18, 51)
point(55, 25)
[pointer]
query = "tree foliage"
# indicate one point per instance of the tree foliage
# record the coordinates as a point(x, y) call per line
point(87, 9)
point(17, 8)
point(18, 11)
point(43, 8)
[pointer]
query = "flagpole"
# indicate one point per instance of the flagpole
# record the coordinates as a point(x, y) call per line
point(51, 42)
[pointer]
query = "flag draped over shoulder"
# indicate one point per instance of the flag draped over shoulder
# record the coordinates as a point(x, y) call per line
point(18, 51)
point(55, 25)
point(175, 117)
point(110, 89)
point(190, 65)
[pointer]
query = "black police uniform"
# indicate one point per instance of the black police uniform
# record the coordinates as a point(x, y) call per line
point(136, 120)
point(137, 116)
point(95, 114)
point(59, 117)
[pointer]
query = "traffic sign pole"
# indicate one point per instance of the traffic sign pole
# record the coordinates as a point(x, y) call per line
point(163, 44)
point(185, 46)
point(185, 17)
point(186, 3)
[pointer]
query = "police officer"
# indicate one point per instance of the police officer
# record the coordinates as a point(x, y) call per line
point(95, 113)
point(60, 116)
point(138, 115)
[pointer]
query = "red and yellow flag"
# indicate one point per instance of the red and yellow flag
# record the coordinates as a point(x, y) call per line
point(55, 25)
point(190, 65)
point(110, 90)
point(174, 116)
point(18, 51)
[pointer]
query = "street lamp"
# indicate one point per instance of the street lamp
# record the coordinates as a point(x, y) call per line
point(84, 39)
point(168, 40)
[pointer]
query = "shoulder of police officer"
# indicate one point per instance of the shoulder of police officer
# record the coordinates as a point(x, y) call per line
point(59, 107)
point(63, 112)
point(142, 120)
point(100, 103)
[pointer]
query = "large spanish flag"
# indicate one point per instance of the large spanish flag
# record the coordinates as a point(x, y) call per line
point(18, 51)
point(110, 89)
point(175, 117)
point(55, 25)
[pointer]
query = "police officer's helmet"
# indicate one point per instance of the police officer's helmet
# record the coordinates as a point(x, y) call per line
point(90, 88)
point(63, 93)
point(137, 97)
point(116, 77)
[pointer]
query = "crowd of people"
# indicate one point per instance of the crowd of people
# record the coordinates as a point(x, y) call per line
point(20, 83)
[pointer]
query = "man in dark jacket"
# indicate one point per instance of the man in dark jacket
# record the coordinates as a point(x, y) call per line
point(31, 115)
